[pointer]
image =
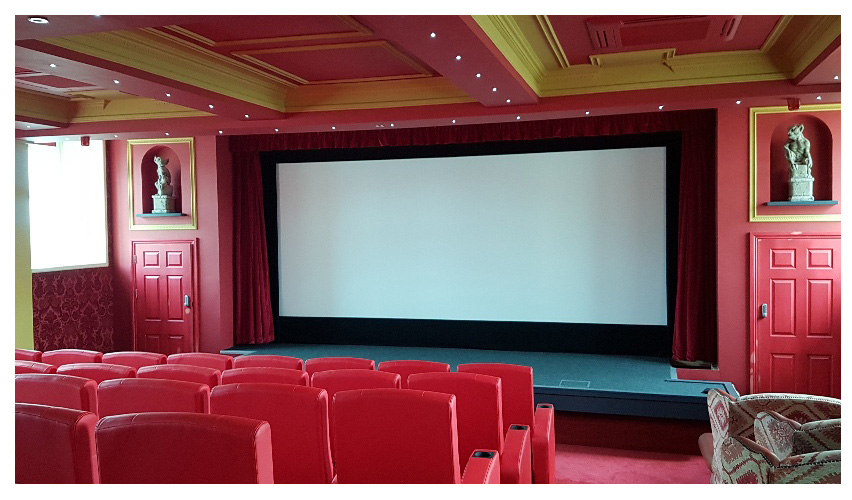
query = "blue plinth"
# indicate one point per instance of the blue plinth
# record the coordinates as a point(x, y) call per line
point(800, 203)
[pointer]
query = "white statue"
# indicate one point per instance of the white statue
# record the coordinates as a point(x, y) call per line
point(164, 201)
point(797, 150)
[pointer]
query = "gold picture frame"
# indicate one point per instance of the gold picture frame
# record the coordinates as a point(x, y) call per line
point(192, 194)
point(753, 216)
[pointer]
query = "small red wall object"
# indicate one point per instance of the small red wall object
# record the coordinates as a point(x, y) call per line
point(84, 140)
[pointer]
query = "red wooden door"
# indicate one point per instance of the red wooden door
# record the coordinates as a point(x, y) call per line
point(797, 332)
point(164, 317)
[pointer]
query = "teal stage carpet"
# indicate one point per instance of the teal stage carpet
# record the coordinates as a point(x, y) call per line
point(594, 383)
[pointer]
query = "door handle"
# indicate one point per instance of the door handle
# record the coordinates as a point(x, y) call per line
point(764, 311)
point(186, 301)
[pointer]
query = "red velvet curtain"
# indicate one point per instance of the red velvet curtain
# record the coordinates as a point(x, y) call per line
point(695, 310)
point(252, 306)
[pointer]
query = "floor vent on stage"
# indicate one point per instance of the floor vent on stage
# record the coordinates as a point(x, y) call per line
point(579, 384)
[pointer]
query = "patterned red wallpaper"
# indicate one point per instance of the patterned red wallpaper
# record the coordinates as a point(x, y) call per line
point(73, 309)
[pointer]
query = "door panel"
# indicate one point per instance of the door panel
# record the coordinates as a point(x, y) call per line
point(163, 274)
point(797, 346)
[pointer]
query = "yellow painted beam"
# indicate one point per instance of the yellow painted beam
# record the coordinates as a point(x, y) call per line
point(99, 110)
point(802, 40)
point(23, 272)
point(369, 95)
point(40, 106)
point(510, 40)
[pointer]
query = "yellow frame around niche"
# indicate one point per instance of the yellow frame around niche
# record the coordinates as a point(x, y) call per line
point(162, 227)
point(752, 165)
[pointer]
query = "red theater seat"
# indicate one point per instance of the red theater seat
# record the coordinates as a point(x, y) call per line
point(33, 367)
point(206, 359)
point(264, 375)
point(402, 436)
point(181, 448)
point(321, 364)
point(135, 359)
point(406, 367)
point(198, 374)
point(97, 371)
point(263, 360)
point(54, 445)
point(519, 409)
point(139, 395)
point(61, 357)
point(27, 355)
point(298, 418)
point(65, 391)
point(480, 421)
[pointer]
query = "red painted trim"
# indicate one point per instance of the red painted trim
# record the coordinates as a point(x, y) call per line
point(834, 45)
point(754, 239)
point(193, 249)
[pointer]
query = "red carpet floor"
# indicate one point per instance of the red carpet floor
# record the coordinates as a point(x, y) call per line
point(592, 465)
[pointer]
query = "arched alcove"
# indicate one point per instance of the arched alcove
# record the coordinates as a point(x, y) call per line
point(820, 137)
point(148, 176)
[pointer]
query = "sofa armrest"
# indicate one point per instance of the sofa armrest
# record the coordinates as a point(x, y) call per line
point(516, 459)
point(544, 445)
point(820, 467)
point(742, 461)
point(775, 432)
point(483, 467)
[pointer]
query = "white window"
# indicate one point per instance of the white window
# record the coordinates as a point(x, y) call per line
point(67, 205)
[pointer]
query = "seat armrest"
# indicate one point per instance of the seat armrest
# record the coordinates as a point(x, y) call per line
point(819, 435)
point(544, 445)
point(775, 433)
point(483, 467)
point(516, 459)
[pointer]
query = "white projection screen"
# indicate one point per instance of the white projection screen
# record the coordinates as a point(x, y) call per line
point(566, 237)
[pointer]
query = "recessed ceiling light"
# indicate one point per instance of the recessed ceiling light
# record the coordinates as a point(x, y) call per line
point(587, 112)
point(432, 35)
point(518, 117)
point(493, 89)
point(38, 20)
point(276, 130)
point(168, 95)
point(458, 58)
point(837, 77)
point(220, 131)
point(454, 121)
point(210, 106)
point(333, 127)
point(246, 116)
point(819, 98)
point(739, 102)
point(115, 135)
point(52, 65)
point(508, 100)
point(28, 126)
point(479, 75)
point(660, 106)
point(167, 133)
point(116, 82)
point(391, 124)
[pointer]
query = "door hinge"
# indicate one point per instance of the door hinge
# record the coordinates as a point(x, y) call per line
point(136, 293)
point(134, 259)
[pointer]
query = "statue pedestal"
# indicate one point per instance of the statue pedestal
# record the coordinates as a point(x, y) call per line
point(802, 188)
point(165, 204)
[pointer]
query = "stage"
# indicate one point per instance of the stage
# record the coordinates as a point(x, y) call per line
point(588, 383)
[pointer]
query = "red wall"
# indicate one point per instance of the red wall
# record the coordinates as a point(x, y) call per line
point(212, 174)
point(733, 238)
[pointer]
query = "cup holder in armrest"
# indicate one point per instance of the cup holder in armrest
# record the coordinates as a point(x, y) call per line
point(519, 427)
point(483, 454)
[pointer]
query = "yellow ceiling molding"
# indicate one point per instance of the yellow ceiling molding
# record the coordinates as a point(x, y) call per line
point(664, 70)
point(803, 39)
point(358, 30)
point(637, 57)
point(368, 95)
point(171, 57)
point(41, 106)
point(514, 45)
point(140, 108)
point(552, 40)
point(779, 28)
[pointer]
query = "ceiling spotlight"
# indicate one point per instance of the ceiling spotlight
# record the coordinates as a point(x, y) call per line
point(518, 117)
point(116, 82)
point(38, 20)
point(167, 133)
point(220, 131)
point(432, 35)
point(458, 58)
point(739, 102)
point(333, 127)
point(508, 100)
point(479, 75)
point(837, 77)
point(454, 121)
point(276, 130)
point(246, 116)
point(168, 95)
point(493, 89)
point(210, 106)
point(115, 136)
point(52, 65)
point(819, 98)
point(391, 124)
point(587, 112)
point(28, 126)
point(660, 106)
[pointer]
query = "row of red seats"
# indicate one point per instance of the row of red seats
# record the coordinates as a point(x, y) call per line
point(480, 397)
